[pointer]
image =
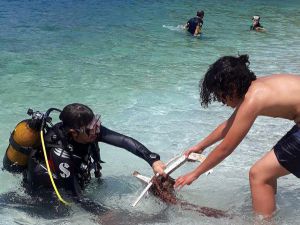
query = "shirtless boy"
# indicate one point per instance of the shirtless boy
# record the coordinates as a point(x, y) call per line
point(230, 81)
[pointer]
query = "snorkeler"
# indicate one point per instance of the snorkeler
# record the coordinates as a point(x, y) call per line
point(230, 81)
point(73, 153)
point(256, 24)
point(194, 25)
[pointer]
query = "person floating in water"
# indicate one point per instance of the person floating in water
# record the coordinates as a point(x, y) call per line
point(230, 81)
point(71, 148)
point(256, 26)
point(194, 25)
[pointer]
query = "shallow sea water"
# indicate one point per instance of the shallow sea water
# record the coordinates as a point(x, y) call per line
point(132, 62)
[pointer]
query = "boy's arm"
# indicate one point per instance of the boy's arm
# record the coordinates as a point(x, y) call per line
point(260, 29)
point(197, 30)
point(215, 136)
point(242, 120)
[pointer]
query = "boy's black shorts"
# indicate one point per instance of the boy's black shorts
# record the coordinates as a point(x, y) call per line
point(287, 151)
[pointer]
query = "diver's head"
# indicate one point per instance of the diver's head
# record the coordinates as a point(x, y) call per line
point(227, 79)
point(200, 14)
point(80, 122)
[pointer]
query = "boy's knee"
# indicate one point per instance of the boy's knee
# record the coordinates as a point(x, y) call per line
point(254, 174)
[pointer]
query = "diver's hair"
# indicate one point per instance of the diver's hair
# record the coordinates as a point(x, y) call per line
point(229, 76)
point(76, 115)
point(200, 13)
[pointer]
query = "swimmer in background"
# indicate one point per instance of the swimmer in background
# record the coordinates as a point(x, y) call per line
point(256, 26)
point(194, 25)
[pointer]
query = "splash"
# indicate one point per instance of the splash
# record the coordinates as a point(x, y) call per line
point(173, 28)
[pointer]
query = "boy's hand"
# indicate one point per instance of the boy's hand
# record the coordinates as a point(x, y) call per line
point(186, 179)
point(193, 149)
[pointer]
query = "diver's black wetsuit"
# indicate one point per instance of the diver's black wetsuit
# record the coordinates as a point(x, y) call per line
point(193, 23)
point(72, 162)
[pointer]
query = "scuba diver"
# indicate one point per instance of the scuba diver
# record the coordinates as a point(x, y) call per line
point(194, 25)
point(67, 153)
point(256, 26)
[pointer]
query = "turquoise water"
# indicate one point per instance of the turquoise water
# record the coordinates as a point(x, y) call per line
point(132, 62)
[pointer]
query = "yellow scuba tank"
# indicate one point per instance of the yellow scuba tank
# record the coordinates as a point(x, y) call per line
point(28, 135)
point(23, 139)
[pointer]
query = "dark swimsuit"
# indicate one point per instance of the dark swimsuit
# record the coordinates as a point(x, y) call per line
point(287, 151)
point(256, 26)
point(193, 23)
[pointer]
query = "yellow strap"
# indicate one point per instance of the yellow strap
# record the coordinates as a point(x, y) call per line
point(49, 171)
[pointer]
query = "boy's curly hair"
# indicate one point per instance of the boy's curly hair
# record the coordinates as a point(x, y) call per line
point(229, 76)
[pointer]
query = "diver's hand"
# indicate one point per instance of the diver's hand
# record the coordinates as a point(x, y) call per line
point(185, 179)
point(159, 167)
